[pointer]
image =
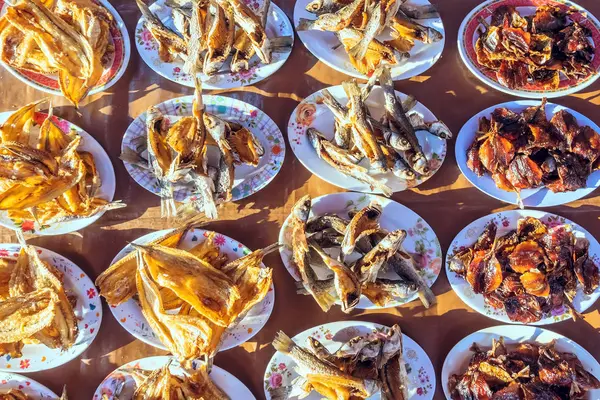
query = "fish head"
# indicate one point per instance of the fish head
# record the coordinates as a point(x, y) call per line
point(302, 208)
point(314, 137)
point(314, 6)
point(350, 300)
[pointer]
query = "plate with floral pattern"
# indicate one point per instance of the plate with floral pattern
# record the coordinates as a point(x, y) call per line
point(103, 165)
point(421, 375)
point(421, 241)
point(326, 46)
point(506, 221)
point(29, 387)
point(119, 38)
point(129, 314)
point(278, 25)
point(248, 180)
point(459, 357)
point(468, 35)
point(312, 113)
point(120, 380)
point(88, 310)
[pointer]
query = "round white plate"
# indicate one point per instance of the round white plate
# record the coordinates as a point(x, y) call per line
point(459, 357)
point(28, 386)
point(312, 113)
point(103, 165)
point(326, 46)
point(88, 310)
point(420, 241)
point(119, 38)
point(278, 25)
point(507, 221)
point(469, 33)
point(539, 197)
point(223, 379)
point(421, 375)
point(129, 314)
point(248, 179)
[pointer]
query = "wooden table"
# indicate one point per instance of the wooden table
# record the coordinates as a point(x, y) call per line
point(446, 201)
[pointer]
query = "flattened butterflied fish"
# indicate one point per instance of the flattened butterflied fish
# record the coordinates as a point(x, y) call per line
point(333, 22)
point(170, 44)
point(376, 23)
point(196, 42)
point(243, 48)
point(219, 39)
point(369, 266)
point(364, 222)
point(218, 130)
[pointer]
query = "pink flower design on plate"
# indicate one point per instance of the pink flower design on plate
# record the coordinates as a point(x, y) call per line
point(275, 380)
point(4, 253)
point(24, 364)
point(146, 35)
point(329, 336)
point(90, 293)
point(28, 225)
point(246, 73)
point(281, 366)
point(177, 70)
point(219, 240)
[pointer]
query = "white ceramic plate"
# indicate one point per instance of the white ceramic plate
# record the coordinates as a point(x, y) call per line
point(421, 375)
point(129, 314)
point(28, 386)
point(119, 38)
point(103, 165)
point(326, 46)
point(311, 112)
point(458, 359)
point(421, 240)
point(248, 179)
point(278, 25)
point(539, 197)
point(223, 379)
point(507, 221)
point(88, 310)
point(469, 33)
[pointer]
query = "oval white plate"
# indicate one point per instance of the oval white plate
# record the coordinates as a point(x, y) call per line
point(223, 379)
point(110, 76)
point(326, 46)
point(280, 370)
point(129, 314)
point(103, 165)
point(458, 359)
point(468, 35)
point(248, 179)
point(312, 113)
point(278, 25)
point(420, 241)
point(88, 310)
point(28, 386)
point(507, 221)
point(539, 197)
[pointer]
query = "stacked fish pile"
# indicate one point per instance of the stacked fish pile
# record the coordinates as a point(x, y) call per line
point(358, 369)
point(358, 29)
point(209, 32)
point(17, 394)
point(353, 257)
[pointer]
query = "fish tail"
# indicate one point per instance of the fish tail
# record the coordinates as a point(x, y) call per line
point(426, 296)
point(305, 24)
point(359, 50)
point(271, 248)
point(283, 343)
point(324, 299)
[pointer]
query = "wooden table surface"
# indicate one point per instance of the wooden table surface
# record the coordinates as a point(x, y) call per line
point(447, 202)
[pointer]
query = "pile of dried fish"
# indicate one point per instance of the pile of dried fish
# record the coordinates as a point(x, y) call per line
point(357, 370)
point(34, 305)
point(358, 29)
point(70, 38)
point(525, 150)
point(43, 175)
point(163, 384)
point(16, 394)
point(211, 31)
point(189, 297)
point(530, 371)
point(535, 49)
point(338, 259)
point(388, 145)
point(177, 155)
point(529, 272)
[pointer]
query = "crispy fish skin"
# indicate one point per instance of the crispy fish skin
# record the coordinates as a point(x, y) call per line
point(364, 221)
point(371, 263)
point(170, 44)
point(219, 38)
point(335, 21)
point(377, 53)
point(25, 315)
point(196, 42)
point(244, 50)
point(404, 265)
point(376, 23)
point(246, 148)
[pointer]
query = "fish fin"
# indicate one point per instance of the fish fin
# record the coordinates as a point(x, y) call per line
point(283, 343)
point(324, 299)
point(305, 24)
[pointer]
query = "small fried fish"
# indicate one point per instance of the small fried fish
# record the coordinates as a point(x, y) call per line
point(363, 223)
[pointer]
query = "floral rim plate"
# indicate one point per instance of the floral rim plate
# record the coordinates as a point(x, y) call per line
point(468, 35)
point(223, 379)
point(88, 310)
point(105, 170)
point(248, 179)
point(458, 358)
point(28, 386)
point(120, 40)
point(421, 375)
point(539, 197)
point(421, 240)
point(312, 113)
point(507, 221)
point(278, 25)
point(129, 314)
point(326, 47)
